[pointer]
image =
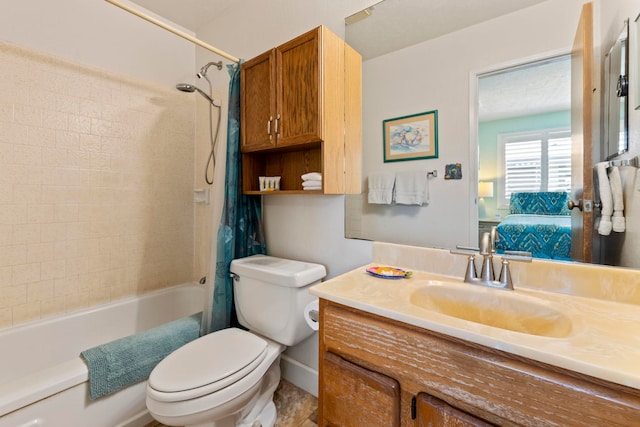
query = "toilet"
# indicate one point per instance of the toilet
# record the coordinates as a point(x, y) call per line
point(227, 378)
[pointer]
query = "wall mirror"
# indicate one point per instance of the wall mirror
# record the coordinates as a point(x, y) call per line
point(394, 85)
point(616, 99)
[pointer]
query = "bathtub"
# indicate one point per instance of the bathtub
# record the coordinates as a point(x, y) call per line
point(43, 381)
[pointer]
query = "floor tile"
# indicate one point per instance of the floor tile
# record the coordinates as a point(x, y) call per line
point(295, 407)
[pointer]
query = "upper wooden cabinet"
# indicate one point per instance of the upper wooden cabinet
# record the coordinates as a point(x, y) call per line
point(301, 112)
point(282, 95)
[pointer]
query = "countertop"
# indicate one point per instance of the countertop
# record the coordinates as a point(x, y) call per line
point(604, 341)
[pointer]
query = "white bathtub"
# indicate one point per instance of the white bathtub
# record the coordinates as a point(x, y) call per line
point(43, 381)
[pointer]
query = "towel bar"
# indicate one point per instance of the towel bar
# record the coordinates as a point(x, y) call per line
point(634, 161)
point(433, 173)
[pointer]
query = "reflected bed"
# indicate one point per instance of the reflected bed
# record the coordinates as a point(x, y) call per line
point(540, 223)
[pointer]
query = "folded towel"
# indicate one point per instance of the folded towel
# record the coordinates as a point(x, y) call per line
point(618, 221)
point(314, 187)
point(411, 188)
point(316, 176)
point(129, 360)
point(312, 183)
point(381, 187)
point(604, 228)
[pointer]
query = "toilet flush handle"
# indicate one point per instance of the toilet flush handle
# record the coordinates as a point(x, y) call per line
point(234, 276)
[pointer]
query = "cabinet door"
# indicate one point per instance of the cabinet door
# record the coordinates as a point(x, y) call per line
point(298, 90)
point(353, 396)
point(258, 83)
point(434, 412)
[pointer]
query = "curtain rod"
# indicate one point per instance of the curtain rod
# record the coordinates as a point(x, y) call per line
point(174, 31)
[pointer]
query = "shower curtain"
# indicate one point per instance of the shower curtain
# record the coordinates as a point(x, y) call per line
point(240, 233)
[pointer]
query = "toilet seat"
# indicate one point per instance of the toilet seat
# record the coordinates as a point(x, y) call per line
point(229, 355)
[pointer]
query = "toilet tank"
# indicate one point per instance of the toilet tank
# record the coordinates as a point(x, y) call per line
point(271, 294)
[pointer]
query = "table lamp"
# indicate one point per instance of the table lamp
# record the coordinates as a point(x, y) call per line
point(485, 189)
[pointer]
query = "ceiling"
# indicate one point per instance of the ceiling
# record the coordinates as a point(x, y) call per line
point(395, 24)
point(532, 89)
point(391, 25)
point(189, 14)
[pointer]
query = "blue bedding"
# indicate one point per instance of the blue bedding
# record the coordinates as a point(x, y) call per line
point(545, 236)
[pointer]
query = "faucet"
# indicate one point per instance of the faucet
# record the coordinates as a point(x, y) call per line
point(487, 249)
point(487, 272)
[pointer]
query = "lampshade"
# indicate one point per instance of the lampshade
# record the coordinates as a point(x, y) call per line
point(485, 189)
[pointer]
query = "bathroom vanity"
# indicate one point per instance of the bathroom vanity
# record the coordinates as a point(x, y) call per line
point(420, 352)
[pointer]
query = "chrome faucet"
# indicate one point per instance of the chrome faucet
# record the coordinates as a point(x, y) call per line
point(487, 244)
point(487, 272)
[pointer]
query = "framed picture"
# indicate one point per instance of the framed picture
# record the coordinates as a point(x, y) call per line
point(411, 137)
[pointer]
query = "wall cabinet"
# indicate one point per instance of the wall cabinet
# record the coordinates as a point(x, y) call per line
point(301, 112)
point(399, 374)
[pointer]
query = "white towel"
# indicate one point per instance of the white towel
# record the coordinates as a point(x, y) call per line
point(381, 187)
point(315, 176)
point(618, 222)
point(311, 183)
point(411, 188)
point(604, 228)
point(313, 187)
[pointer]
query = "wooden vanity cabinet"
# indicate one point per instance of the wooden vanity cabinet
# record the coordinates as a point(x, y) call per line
point(431, 412)
point(301, 112)
point(430, 379)
point(356, 396)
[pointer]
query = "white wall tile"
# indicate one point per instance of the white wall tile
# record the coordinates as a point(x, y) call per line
point(96, 182)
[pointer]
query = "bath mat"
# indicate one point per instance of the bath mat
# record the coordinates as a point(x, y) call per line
point(129, 360)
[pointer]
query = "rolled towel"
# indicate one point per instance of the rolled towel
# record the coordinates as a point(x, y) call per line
point(312, 183)
point(618, 221)
point(315, 176)
point(605, 226)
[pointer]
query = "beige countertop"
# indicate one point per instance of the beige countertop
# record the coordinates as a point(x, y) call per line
point(603, 341)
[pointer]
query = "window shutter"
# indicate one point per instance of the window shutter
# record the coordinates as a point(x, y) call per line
point(533, 161)
point(559, 153)
point(523, 166)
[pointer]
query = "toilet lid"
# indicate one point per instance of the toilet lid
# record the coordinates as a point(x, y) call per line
point(209, 363)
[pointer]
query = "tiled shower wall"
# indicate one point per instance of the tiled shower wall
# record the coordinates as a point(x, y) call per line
point(96, 186)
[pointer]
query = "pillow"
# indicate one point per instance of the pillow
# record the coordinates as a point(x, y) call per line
point(540, 203)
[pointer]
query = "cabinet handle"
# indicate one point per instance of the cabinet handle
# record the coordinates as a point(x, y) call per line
point(414, 408)
point(269, 127)
point(276, 128)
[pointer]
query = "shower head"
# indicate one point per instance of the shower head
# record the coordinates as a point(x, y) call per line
point(203, 71)
point(186, 87)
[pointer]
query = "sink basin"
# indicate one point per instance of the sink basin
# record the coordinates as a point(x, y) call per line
point(493, 307)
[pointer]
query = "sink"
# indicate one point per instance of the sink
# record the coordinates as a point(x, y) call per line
point(493, 307)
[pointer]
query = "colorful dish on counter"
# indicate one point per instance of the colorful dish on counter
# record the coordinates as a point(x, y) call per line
point(388, 272)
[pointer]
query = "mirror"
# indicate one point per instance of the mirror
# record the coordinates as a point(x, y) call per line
point(437, 72)
point(616, 99)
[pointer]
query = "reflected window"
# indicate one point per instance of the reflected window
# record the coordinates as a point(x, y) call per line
point(533, 161)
